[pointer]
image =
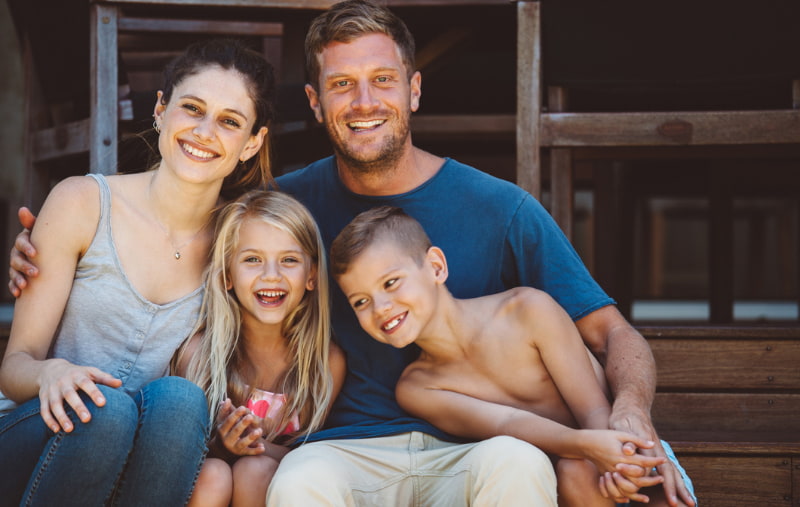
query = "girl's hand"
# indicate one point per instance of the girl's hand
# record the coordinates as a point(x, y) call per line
point(61, 381)
point(238, 430)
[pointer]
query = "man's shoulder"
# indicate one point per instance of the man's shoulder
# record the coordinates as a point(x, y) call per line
point(298, 179)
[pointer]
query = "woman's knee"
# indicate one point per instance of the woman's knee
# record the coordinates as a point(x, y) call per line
point(163, 398)
point(115, 420)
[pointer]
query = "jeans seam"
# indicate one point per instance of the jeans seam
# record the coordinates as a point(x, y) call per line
point(42, 469)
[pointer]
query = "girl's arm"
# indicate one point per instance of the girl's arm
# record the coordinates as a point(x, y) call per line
point(63, 231)
point(473, 418)
point(338, 365)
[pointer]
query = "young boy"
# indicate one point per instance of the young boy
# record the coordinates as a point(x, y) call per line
point(510, 363)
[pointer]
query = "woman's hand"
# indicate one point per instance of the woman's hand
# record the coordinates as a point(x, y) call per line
point(238, 430)
point(61, 381)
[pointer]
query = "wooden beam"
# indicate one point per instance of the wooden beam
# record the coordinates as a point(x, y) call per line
point(299, 4)
point(162, 25)
point(529, 99)
point(443, 43)
point(670, 129)
point(68, 139)
point(463, 124)
point(103, 83)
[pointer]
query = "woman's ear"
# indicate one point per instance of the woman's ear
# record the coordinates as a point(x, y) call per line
point(435, 257)
point(253, 144)
point(159, 108)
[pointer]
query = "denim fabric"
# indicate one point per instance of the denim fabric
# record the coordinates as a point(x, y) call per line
point(141, 450)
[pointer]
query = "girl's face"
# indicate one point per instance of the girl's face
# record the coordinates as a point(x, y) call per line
point(269, 273)
point(206, 126)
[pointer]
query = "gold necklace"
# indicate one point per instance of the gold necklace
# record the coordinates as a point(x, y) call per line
point(177, 253)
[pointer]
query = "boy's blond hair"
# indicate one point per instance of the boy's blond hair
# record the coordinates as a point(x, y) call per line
point(377, 224)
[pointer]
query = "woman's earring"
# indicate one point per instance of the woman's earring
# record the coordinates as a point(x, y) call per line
point(156, 127)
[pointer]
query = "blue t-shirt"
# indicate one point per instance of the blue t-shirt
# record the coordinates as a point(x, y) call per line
point(495, 236)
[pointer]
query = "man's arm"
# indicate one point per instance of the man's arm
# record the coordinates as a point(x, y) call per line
point(631, 373)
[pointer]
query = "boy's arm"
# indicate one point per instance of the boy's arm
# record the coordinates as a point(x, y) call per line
point(563, 353)
point(472, 418)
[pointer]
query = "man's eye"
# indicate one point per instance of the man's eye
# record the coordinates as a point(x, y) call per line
point(342, 83)
point(383, 79)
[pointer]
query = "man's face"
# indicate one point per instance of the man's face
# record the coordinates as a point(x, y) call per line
point(365, 100)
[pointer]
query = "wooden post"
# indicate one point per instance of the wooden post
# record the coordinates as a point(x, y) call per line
point(103, 80)
point(562, 194)
point(720, 247)
point(528, 96)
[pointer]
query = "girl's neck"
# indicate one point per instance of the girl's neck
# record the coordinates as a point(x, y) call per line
point(267, 353)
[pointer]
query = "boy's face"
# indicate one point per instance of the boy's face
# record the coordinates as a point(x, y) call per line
point(392, 294)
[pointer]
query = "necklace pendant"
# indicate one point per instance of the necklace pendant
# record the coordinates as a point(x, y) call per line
point(177, 255)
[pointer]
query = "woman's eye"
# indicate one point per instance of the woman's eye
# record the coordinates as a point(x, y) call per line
point(191, 107)
point(232, 123)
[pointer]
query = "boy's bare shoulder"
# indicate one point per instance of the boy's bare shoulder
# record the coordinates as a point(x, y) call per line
point(525, 302)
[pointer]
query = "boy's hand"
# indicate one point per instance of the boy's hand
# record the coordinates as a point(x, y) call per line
point(238, 430)
point(21, 254)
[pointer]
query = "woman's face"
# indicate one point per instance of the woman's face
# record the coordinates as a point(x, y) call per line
point(206, 126)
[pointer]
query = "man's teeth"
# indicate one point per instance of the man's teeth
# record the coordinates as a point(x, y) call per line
point(360, 125)
point(196, 152)
point(393, 324)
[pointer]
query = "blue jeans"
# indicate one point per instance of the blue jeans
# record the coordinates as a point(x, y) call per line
point(141, 450)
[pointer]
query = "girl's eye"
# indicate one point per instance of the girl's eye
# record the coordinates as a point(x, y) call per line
point(290, 260)
point(251, 259)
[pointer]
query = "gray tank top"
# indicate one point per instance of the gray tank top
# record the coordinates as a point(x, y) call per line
point(109, 325)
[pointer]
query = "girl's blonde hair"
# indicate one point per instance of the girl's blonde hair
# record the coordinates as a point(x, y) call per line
point(218, 365)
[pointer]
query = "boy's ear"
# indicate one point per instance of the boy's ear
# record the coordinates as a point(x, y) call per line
point(438, 262)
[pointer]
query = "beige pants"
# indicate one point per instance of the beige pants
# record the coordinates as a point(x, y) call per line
point(414, 469)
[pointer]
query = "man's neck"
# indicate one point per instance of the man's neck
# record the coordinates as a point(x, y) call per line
point(412, 170)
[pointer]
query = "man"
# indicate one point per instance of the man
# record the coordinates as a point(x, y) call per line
point(363, 88)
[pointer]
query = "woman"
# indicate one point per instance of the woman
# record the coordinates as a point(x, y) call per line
point(86, 410)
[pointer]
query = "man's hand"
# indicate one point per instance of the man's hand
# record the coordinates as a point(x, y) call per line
point(22, 253)
point(627, 418)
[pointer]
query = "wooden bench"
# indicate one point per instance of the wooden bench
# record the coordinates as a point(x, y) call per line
point(728, 401)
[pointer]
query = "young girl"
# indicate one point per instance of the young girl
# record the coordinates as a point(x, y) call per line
point(262, 348)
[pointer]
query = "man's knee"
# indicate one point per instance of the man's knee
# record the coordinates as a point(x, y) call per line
point(306, 475)
point(513, 455)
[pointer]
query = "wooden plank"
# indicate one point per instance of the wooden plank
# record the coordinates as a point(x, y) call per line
point(67, 139)
point(670, 129)
point(561, 176)
point(163, 25)
point(103, 129)
point(716, 364)
point(720, 413)
point(529, 99)
point(721, 332)
point(732, 443)
point(740, 481)
point(300, 4)
point(462, 125)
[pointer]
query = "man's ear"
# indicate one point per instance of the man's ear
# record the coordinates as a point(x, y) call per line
point(435, 257)
point(313, 102)
point(416, 91)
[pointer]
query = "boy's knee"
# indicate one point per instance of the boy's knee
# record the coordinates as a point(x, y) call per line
point(306, 474)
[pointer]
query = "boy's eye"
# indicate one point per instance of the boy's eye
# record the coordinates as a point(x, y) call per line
point(390, 282)
point(358, 303)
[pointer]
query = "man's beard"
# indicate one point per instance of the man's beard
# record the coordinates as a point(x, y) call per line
point(384, 162)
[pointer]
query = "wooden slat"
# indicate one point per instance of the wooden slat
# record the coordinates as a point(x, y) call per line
point(301, 4)
point(529, 97)
point(720, 413)
point(67, 139)
point(104, 127)
point(740, 481)
point(721, 332)
point(162, 25)
point(717, 364)
point(670, 129)
point(732, 443)
point(463, 125)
